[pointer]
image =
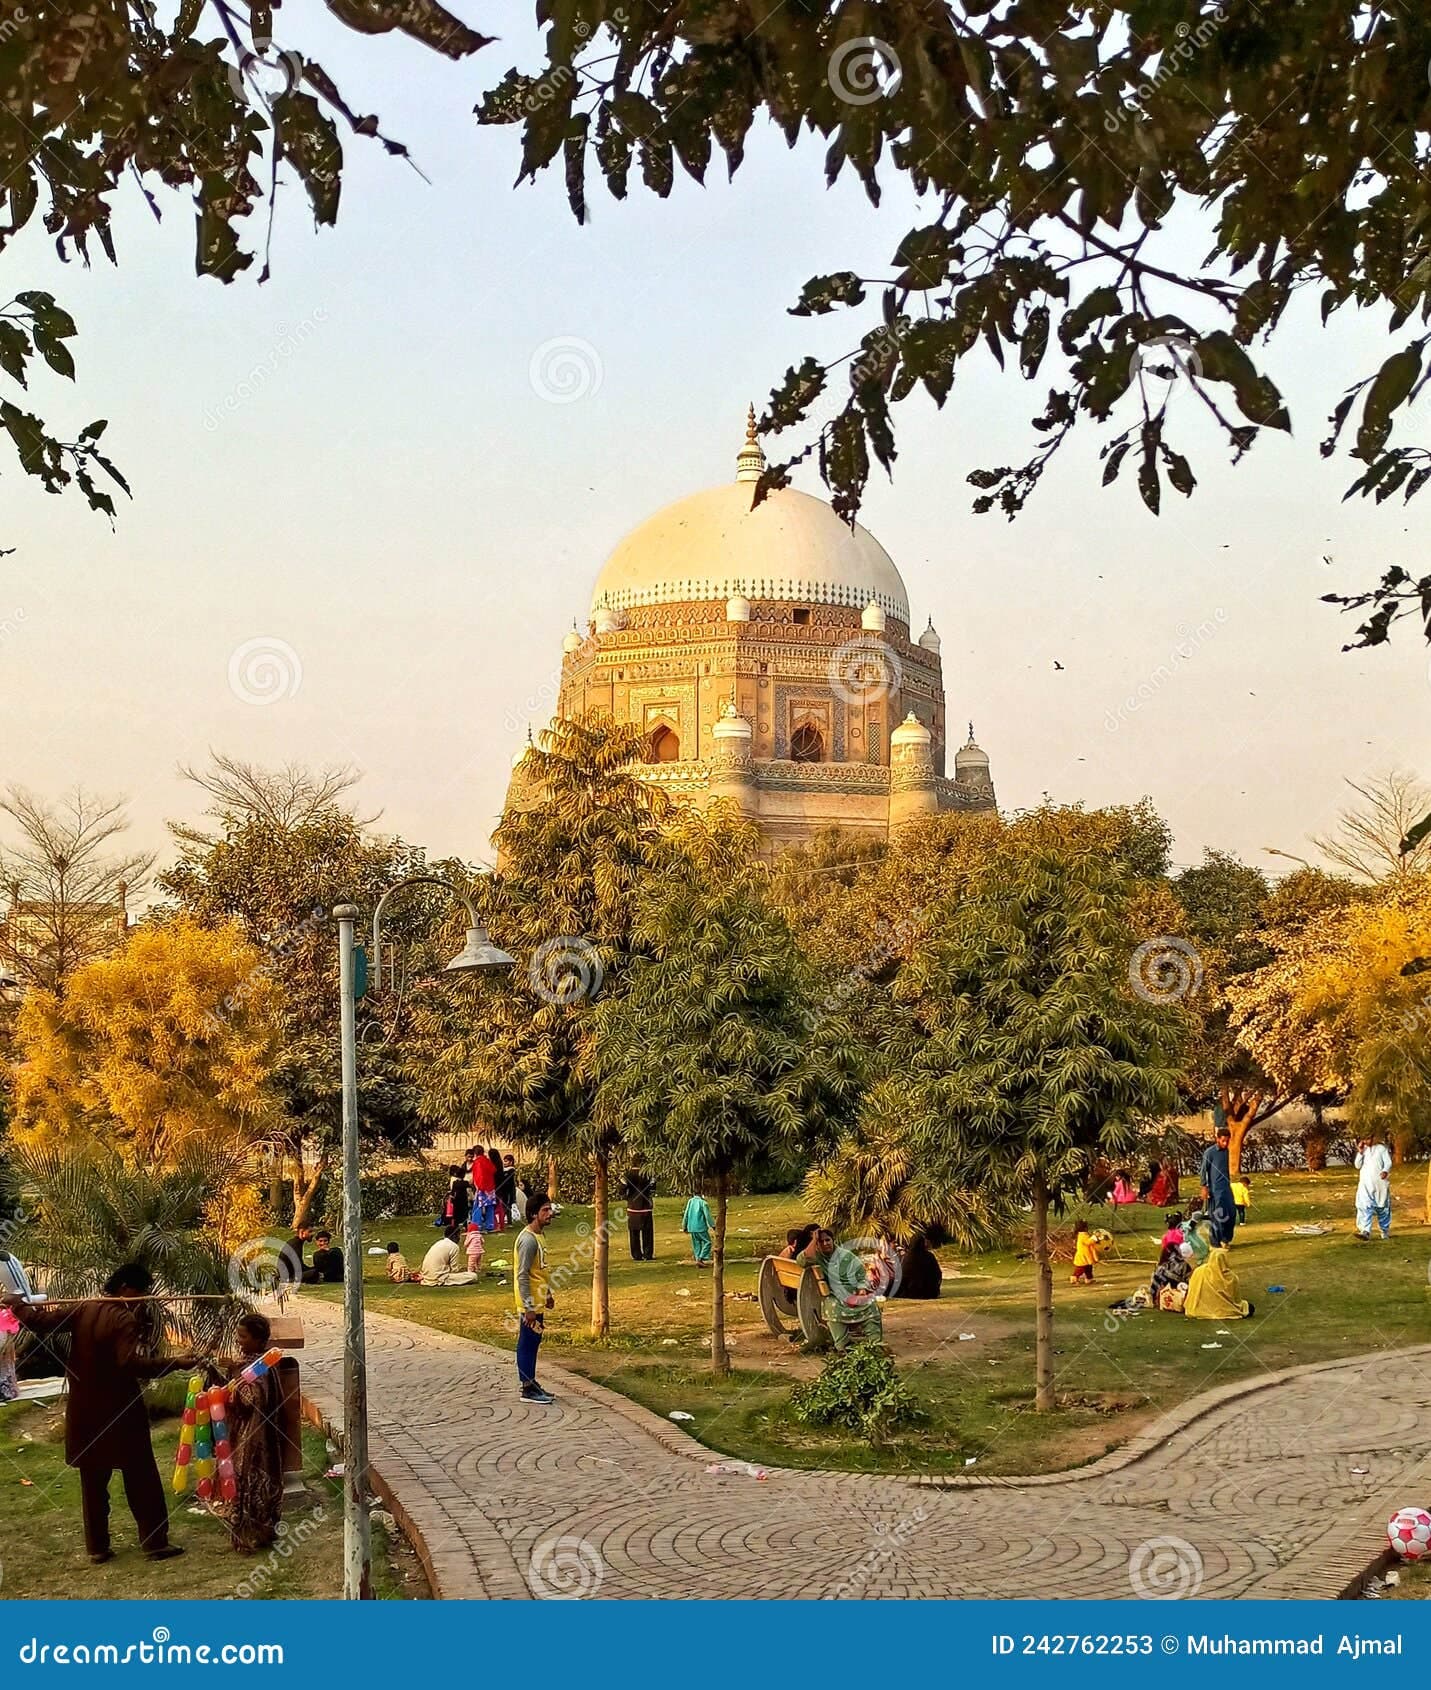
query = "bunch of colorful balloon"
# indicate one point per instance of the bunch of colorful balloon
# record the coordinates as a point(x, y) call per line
point(204, 1443)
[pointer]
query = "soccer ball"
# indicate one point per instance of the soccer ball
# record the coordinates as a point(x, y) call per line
point(1410, 1532)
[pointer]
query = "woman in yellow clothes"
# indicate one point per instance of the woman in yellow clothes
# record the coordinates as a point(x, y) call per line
point(1212, 1290)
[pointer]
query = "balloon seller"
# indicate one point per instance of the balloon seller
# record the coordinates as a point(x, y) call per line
point(229, 1446)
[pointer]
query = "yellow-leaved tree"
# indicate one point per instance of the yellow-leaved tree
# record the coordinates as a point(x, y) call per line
point(1344, 1006)
point(162, 1047)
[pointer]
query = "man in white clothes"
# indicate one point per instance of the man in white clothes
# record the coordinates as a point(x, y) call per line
point(1373, 1192)
point(439, 1265)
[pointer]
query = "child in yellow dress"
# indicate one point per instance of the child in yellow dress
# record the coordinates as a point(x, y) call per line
point(1085, 1255)
point(1241, 1199)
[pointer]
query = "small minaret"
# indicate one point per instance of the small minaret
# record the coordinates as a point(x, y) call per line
point(912, 789)
point(750, 461)
point(971, 772)
point(732, 773)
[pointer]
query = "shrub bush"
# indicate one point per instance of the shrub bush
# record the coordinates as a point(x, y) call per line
point(859, 1390)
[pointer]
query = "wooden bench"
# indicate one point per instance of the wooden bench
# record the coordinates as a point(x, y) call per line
point(792, 1296)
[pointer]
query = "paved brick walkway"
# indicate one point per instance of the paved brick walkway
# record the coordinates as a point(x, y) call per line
point(1238, 1494)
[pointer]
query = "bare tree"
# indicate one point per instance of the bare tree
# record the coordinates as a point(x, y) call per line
point(1366, 841)
point(284, 798)
point(66, 890)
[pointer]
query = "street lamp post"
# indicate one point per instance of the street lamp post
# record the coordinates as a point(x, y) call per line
point(1272, 851)
point(477, 956)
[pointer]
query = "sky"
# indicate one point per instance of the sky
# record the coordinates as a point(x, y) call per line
point(372, 494)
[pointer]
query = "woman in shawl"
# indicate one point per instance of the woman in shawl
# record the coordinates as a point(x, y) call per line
point(484, 1191)
point(1212, 1290)
point(254, 1431)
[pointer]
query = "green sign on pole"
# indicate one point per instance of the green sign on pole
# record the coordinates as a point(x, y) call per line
point(360, 972)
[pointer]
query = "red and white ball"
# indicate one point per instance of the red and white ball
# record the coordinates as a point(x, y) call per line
point(1410, 1532)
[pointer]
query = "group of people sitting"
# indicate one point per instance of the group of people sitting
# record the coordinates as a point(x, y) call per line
point(442, 1265)
point(1193, 1275)
point(326, 1268)
point(1158, 1188)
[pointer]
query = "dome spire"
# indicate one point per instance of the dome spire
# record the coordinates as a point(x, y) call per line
point(750, 462)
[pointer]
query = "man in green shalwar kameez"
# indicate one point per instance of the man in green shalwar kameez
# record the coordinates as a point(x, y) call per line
point(850, 1309)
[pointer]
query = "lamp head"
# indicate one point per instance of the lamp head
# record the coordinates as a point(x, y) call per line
point(479, 956)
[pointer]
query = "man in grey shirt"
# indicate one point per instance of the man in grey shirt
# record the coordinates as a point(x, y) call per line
point(533, 1295)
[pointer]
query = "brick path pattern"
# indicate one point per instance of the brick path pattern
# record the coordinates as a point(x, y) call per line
point(1278, 1490)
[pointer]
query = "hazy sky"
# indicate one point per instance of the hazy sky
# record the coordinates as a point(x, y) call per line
point(355, 492)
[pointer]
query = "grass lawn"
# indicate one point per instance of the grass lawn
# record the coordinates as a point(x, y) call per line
point(43, 1547)
point(1340, 1297)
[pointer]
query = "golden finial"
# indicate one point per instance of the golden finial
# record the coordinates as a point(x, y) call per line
point(750, 462)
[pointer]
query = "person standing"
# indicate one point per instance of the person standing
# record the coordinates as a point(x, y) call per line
point(507, 1189)
point(499, 1205)
point(106, 1421)
point(1217, 1186)
point(532, 1289)
point(484, 1191)
point(255, 1430)
point(1373, 1190)
point(640, 1194)
point(697, 1223)
point(459, 1198)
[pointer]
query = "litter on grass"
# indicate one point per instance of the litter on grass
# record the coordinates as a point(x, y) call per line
point(1275, 1290)
point(679, 1414)
point(1310, 1229)
point(1212, 1346)
point(964, 1337)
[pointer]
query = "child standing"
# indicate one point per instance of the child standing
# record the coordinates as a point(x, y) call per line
point(474, 1247)
point(1085, 1255)
point(697, 1223)
point(1241, 1199)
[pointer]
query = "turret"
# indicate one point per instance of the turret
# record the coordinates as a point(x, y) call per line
point(732, 772)
point(912, 792)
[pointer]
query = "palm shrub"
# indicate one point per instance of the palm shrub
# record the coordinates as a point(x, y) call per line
point(86, 1212)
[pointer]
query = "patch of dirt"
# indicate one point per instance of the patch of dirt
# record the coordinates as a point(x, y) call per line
point(1095, 1402)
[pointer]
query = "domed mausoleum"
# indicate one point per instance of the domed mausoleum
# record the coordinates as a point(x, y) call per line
point(766, 656)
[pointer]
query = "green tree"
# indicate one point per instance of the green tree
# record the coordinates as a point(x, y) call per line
point(715, 1056)
point(578, 833)
point(1057, 149)
point(276, 871)
point(1036, 1050)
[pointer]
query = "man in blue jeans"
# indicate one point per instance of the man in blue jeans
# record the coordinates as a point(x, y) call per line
point(533, 1293)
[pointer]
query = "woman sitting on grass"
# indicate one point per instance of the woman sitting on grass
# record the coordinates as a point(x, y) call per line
point(1213, 1290)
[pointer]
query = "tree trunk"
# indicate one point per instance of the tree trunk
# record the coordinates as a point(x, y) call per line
point(1315, 1142)
point(1043, 1318)
point(1241, 1111)
point(601, 1238)
point(1427, 1216)
point(275, 1185)
point(305, 1189)
point(720, 1356)
point(552, 1178)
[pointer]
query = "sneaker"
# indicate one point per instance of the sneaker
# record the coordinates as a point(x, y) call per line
point(538, 1395)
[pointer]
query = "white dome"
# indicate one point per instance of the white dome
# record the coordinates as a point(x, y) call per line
point(605, 618)
point(712, 545)
point(872, 618)
point(572, 641)
point(929, 639)
point(737, 608)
